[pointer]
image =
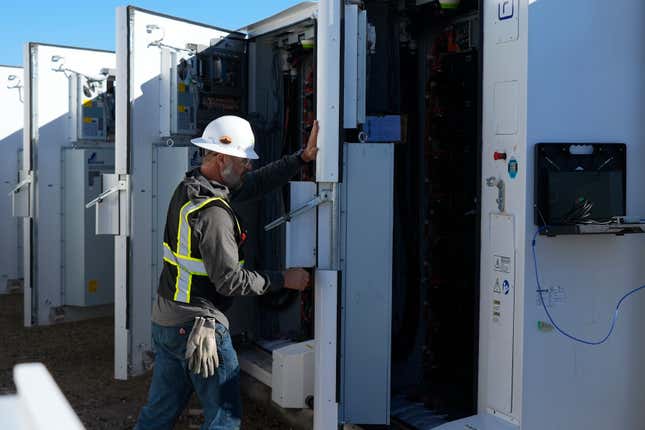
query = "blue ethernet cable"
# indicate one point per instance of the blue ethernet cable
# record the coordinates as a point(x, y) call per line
point(548, 314)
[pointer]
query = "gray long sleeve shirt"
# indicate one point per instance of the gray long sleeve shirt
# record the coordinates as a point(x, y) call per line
point(214, 230)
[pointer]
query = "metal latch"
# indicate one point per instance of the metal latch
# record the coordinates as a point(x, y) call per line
point(28, 179)
point(311, 204)
point(122, 185)
point(501, 191)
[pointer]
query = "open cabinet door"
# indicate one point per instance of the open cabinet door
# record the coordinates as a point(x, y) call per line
point(366, 222)
point(353, 282)
point(11, 93)
point(56, 287)
point(504, 194)
point(156, 109)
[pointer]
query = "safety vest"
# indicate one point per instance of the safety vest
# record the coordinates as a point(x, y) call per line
point(184, 275)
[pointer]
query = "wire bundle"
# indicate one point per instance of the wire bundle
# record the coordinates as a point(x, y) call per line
point(579, 213)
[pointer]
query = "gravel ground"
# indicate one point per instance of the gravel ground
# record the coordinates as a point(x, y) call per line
point(79, 355)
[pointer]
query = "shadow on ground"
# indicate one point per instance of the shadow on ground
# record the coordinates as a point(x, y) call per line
point(79, 355)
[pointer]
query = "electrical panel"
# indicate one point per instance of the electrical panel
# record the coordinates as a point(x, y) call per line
point(91, 108)
point(178, 93)
point(222, 73)
point(183, 101)
point(199, 83)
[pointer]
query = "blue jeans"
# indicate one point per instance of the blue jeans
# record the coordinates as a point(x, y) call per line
point(173, 384)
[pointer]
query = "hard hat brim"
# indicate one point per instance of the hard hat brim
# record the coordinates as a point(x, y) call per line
point(208, 144)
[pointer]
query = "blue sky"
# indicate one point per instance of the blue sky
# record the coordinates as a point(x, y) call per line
point(90, 24)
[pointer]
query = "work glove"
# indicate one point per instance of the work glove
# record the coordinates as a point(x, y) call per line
point(201, 348)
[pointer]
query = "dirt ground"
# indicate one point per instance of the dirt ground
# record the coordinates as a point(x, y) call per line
point(79, 355)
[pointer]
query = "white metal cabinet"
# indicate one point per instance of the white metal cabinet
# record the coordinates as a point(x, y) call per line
point(48, 112)
point(11, 93)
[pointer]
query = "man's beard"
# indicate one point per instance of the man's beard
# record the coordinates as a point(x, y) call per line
point(231, 180)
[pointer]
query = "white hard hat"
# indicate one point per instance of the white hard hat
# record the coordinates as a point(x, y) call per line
point(230, 135)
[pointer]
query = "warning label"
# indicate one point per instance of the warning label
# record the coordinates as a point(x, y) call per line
point(497, 288)
point(502, 264)
point(92, 285)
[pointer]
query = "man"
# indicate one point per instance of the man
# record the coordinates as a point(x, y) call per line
point(203, 270)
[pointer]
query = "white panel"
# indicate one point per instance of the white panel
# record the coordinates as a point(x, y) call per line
point(328, 90)
point(295, 14)
point(570, 385)
point(107, 210)
point(506, 95)
point(326, 298)
point(123, 92)
point(503, 111)
point(301, 230)
point(500, 293)
point(121, 332)
point(73, 109)
point(121, 157)
point(354, 78)
point(506, 28)
point(165, 90)
point(367, 243)
point(350, 77)
point(328, 63)
point(479, 422)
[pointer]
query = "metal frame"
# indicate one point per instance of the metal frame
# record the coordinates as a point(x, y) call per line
point(328, 108)
point(299, 13)
point(27, 170)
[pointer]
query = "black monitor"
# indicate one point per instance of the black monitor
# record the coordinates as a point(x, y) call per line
point(570, 176)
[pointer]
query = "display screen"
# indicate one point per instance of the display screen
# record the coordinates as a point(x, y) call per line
point(604, 189)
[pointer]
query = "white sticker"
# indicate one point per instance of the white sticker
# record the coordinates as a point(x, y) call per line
point(502, 264)
point(554, 295)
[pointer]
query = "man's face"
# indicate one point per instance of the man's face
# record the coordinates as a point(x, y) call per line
point(234, 169)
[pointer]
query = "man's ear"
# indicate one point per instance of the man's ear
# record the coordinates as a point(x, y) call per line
point(224, 160)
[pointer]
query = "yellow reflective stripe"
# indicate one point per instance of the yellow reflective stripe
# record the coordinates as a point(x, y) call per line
point(174, 297)
point(189, 287)
point(188, 266)
point(196, 260)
